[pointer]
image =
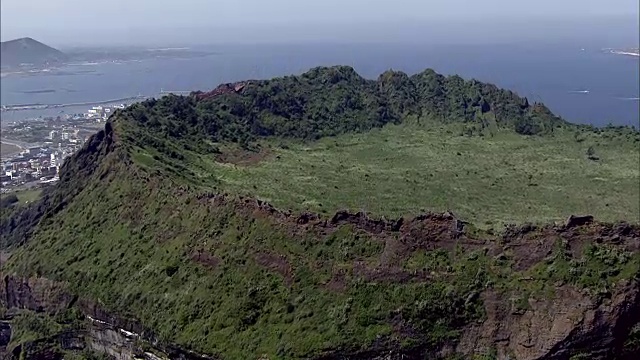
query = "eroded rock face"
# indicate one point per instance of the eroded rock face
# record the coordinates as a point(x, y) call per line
point(36, 294)
point(104, 339)
point(565, 323)
point(5, 336)
point(569, 324)
point(229, 88)
point(118, 337)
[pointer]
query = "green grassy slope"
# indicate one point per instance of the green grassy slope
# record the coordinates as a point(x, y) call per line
point(407, 169)
point(221, 277)
point(138, 223)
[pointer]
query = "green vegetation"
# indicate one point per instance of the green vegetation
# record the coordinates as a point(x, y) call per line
point(255, 308)
point(407, 169)
point(19, 197)
point(331, 101)
point(14, 204)
point(37, 332)
point(28, 196)
point(243, 285)
point(8, 149)
point(137, 221)
point(632, 344)
point(596, 270)
point(7, 200)
point(455, 150)
point(33, 134)
point(29, 326)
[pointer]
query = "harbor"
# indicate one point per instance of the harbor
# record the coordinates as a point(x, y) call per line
point(23, 107)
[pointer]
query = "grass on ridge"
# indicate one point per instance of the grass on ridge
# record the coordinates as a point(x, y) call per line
point(24, 195)
point(29, 195)
point(406, 169)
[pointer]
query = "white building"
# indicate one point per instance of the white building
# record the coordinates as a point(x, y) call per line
point(33, 151)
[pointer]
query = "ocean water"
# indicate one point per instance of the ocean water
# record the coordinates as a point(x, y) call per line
point(558, 75)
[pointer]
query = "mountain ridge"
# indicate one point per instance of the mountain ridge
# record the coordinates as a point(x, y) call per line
point(297, 106)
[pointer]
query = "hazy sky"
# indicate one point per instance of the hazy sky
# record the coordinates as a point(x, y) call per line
point(80, 21)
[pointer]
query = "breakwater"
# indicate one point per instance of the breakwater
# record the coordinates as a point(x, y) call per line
point(20, 107)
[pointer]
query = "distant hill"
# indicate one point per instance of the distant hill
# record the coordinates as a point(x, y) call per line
point(28, 52)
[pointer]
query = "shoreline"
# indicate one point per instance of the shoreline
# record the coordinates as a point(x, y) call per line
point(627, 53)
point(22, 107)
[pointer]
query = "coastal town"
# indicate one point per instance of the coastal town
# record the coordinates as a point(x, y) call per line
point(34, 149)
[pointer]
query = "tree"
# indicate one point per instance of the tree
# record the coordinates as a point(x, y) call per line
point(527, 126)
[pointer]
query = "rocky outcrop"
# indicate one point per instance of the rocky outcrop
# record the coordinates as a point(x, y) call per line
point(121, 338)
point(100, 341)
point(97, 337)
point(574, 221)
point(569, 324)
point(36, 294)
point(230, 88)
point(117, 343)
point(5, 335)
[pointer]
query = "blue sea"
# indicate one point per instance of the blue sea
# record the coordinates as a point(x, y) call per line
point(580, 83)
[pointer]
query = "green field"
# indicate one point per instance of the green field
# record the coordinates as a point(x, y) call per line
point(8, 149)
point(24, 196)
point(404, 170)
point(27, 196)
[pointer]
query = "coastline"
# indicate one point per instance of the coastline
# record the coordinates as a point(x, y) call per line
point(20, 107)
point(627, 53)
